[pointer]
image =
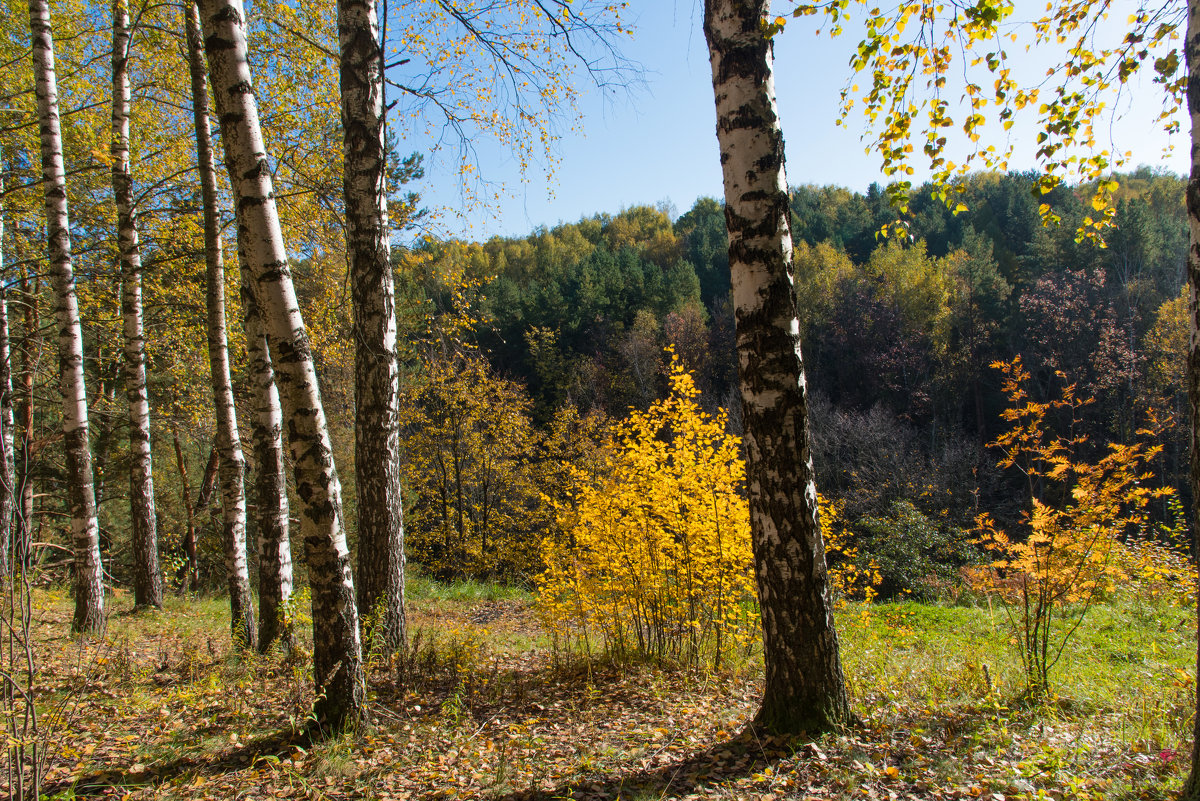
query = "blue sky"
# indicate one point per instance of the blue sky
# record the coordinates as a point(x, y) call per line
point(658, 143)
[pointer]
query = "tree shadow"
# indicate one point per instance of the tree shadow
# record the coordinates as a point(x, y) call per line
point(101, 783)
point(746, 753)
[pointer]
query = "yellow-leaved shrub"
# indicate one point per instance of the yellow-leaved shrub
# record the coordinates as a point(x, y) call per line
point(851, 575)
point(652, 558)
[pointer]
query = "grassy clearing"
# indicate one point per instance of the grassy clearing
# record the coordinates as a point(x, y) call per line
point(480, 708)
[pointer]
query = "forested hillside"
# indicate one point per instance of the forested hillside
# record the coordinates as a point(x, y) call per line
point(899, 333)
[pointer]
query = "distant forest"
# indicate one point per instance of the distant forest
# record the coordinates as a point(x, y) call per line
point(899, 333)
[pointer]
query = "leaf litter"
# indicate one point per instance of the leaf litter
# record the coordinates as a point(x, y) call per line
point(163, 710)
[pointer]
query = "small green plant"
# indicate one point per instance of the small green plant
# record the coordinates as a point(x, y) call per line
point(914, 555)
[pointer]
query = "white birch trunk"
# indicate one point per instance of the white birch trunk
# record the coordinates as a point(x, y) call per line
point(147, 578)
point(337, 654)
point(270, 484)
point(376, 370)
point(88, 583)
point(7, 467)
point(228, 443)
point(804, 688)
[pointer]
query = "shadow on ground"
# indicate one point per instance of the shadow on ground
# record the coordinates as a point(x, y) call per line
point(743, 755)
point(101, 784)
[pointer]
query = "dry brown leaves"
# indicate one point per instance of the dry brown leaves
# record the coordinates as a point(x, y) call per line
point(163, 710)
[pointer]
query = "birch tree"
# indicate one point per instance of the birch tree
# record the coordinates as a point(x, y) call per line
point(805, 689)
point(912, 51)
point(7, 467)
point(337, 656)
point(88, 580)
point(228, 442)
point(270, 484)
point(376, 371)
point(147, 578)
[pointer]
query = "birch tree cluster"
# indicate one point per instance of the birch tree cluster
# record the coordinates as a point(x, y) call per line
point(185, 248)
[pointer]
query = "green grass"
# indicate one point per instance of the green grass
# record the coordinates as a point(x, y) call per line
point(419, 586)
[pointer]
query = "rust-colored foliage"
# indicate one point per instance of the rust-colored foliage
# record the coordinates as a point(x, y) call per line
point(1068, 548)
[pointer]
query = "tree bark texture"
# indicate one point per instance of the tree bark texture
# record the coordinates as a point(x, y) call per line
point(147, 578)
point(337, 654)
point(376, 370)
point(7, 466)
point(804, 689)
point(88, 583)
point(270, 484)
point(1191, 788)
point(228, 443)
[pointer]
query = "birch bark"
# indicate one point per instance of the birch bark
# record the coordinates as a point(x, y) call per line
point(88, 581)
point(7, 467)
point(1191, 788)
point(804, 689)
point(376, 371)
point(337, 654)
point(228, 443)
point(270, 484)
point(147, 578)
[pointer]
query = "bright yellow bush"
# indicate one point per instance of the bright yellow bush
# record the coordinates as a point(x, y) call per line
point(851, 576)
point(653, 555)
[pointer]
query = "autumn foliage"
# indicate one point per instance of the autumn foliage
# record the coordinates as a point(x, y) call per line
point(1067, 550)
point(653, 558)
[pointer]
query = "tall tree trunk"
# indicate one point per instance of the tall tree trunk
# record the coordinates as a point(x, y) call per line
point(89, 586)
point(1191, 788)
point(270, 485)
point(229, 444)
point(7, 471)
point(147, 579)
point(804, 690)
point(337, 654)
point(30, 352)
point(376, 372)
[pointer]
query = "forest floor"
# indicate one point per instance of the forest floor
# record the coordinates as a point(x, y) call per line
point(161, 708)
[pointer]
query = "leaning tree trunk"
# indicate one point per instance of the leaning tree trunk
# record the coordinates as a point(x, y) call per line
point(337, 654)
point(376, 372)
point(147, 578)
point(270, 485)
point(805, 689)
point(1191, 788)
point(89, 587)
point(228, 444)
